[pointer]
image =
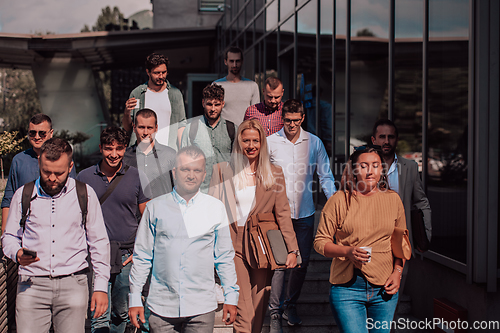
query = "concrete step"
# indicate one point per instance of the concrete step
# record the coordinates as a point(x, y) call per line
point(310, 324)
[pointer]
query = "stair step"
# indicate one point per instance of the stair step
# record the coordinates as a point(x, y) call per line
point(313, 324)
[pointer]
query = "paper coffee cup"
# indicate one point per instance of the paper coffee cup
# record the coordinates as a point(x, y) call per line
point(369, 250)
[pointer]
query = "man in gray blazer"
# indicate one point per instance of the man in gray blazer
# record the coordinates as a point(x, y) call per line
point(402, 174)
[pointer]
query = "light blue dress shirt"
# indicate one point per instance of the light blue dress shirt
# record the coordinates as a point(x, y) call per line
point(54, 229)
point(299, 161)
point(180, 242)
point(393, 175)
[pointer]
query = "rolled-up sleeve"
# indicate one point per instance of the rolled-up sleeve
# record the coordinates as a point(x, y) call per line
point(11, 238)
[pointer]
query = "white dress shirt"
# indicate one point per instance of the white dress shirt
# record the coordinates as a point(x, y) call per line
point(393, 175)
point(54, 230)
point(299, 161)
point(180, 243)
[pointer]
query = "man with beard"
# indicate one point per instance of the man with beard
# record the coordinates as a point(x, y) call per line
point(159, 95)
point(269, 112)
point(240, 92)
point(24, 167)
point(402, 174)
point(181, 237)
point(403, 177)
point(213, 134)
point(152, 158)
point(120, 193)
point(52, 284)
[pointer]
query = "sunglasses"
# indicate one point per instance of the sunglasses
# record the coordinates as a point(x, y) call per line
point(41, 134)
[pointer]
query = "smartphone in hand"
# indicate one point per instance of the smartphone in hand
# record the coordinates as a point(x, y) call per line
point(29, 253)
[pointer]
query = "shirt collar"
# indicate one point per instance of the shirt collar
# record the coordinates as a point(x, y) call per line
point(205, 119)
point(180, 200)
point(144, 87)
point(302, 136)
point(100, 173)
point(135, 146)
point(70, 183)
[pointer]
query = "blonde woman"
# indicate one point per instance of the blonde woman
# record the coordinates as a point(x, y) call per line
point(362, 214)
point(249, 185)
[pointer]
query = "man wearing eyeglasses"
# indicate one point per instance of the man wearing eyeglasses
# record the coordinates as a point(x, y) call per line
point(24, 167)
point(300, 154)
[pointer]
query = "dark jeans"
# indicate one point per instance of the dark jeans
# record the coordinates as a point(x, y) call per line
point(359, 307)
point(304, 229)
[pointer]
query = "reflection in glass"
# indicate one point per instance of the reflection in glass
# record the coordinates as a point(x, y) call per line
point(286, 33)
point(409, 18)
point(307, 18)
point(272, 15)
point(447, 132)
point(370, 18)
point(286, 8)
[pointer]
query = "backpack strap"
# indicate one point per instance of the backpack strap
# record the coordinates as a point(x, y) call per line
point(81, 193)
point(113, 185)
point(231, 131)
point(25, 202)
point(193, 129)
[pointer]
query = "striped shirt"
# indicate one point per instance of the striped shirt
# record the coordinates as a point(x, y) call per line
point(271, 121)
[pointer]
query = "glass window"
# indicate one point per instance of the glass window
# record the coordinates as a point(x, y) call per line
point(259, 26)
point(286, 8)
point(287, 30)
point(448, 127)
point(369, 68)
point(409, 19)
point(272, 16)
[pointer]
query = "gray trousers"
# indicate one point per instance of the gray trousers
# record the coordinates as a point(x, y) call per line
point(41, 301)
point(203, 323)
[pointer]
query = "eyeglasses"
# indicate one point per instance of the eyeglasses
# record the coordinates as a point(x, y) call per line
point(41, 134)
point(289, 121)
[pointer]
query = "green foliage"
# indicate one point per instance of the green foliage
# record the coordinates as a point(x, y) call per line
point(19, 99)
point(107, 16)
point(72, 138)
point(9, 145)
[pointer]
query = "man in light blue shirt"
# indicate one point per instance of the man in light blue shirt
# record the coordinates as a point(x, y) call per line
point(300, 154)
point(181, 237)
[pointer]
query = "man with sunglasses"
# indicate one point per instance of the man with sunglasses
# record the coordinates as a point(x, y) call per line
point(24, 167)
point(299, 154)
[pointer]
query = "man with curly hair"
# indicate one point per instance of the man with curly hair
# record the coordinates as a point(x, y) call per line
point(160, 96)
point(213, 134)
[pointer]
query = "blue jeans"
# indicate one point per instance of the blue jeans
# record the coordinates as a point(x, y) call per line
point(360, 307)
point(304, 230)
point(116, 316)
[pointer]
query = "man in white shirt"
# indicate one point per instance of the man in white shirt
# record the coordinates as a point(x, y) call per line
point(300, 154)
point(160, 96)
point(181, 237)
point(240, 92)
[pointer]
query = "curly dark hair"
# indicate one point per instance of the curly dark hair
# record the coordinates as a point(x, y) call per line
point(213, 91)
point(111, 134)
point(53, 148)
point(154, 60)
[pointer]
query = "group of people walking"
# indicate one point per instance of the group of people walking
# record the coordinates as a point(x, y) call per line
point(159, 212)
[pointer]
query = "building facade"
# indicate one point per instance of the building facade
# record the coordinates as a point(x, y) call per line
point(429, 65)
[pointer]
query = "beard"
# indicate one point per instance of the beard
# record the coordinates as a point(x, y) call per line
point(51, 190)
point(235, 71)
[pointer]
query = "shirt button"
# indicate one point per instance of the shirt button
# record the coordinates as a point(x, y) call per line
point(52, 255)
point(53, 225)
point(53, 241)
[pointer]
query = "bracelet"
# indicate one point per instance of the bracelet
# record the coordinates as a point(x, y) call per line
point(400, 272)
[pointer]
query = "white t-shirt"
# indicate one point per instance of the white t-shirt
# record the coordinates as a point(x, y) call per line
point(160, 103)
point(245, 200)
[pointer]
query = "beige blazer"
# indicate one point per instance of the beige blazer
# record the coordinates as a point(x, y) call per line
point(412, 194)
point(267, 201)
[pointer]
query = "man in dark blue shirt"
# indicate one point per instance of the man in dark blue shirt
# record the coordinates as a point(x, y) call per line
point(119, 208)
point(24, 167)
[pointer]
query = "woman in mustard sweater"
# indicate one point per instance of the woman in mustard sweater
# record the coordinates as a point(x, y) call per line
point(364, 290)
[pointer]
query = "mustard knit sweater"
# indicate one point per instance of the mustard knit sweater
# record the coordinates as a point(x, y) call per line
point(368, 221)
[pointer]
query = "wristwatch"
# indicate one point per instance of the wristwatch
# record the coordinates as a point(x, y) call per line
point(296, 252)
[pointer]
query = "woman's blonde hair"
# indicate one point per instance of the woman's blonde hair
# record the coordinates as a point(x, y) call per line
point(264, 173)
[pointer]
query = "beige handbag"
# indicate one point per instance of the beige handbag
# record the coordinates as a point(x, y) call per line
point(400, 243)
